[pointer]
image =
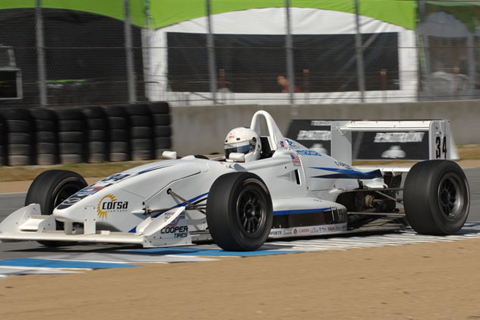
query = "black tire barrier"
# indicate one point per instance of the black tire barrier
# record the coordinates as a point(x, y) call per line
point(159, 107)
point(93, 134)
point(118, 133)
point(162, 131)
point(18, 125)
point(19, 138)
point(141, 131)
point(162, 143)
point(161, 119)
point(20, 144)
point(47, 148)
point(71, 125)
point(119, 146)
point(117, 121)
point(3, 142)
point(72, 136)
point(97, 134)
point(46, 136)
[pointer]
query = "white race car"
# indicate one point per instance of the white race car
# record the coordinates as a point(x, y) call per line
point(266, 186)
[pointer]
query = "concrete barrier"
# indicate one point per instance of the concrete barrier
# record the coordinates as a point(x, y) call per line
point(201, 129)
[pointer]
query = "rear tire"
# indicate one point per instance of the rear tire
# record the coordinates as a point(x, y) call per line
point(50, 189)
point(239, 212)
point(436, 197)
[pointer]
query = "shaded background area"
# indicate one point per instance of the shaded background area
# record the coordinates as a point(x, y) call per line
point(85, 56)
point(323, 63)
point(231, 52)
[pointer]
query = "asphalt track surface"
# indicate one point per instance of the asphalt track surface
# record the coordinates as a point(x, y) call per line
point(29, 257)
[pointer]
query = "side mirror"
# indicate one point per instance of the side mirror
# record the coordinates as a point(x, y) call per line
point(237, 157)
point(169, 155)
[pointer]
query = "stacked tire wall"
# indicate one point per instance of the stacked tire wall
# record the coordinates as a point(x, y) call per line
point(97, 134)
point(162, 131)
point(141, 132)
point(46, 136)
point(118, 132)
point(72, 136)
point(93, 134)
point(3, 142)
point(20, 136)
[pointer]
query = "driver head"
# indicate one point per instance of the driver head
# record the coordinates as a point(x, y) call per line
point(243, 140)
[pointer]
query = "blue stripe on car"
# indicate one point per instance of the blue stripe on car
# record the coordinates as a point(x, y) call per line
point(154, 168)
point(288, 212)
point(348, 174)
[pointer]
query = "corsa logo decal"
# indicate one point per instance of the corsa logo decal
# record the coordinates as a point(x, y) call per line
point(110, 204)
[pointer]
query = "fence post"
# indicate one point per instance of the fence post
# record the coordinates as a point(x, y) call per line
point(132, 95)
point(471, 65)
point(211, 55)
point(289, 52)
point(359, 50)
point(146, 48)
point(423, 38)
point(42, 73)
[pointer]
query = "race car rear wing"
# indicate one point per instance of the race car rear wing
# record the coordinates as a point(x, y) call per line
point(376, 140)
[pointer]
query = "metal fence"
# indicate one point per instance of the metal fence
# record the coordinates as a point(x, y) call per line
point(64, 57)
point(52, 56)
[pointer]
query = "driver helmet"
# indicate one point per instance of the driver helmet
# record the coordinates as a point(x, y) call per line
point(243, 140)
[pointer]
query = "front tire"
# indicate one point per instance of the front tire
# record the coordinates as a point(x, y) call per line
point(239, 212)
point(436, 197)
point(51, 188)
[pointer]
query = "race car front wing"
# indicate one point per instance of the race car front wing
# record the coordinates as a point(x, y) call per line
point(27, 223)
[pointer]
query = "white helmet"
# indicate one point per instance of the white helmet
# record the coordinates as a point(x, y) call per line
point(243, 140)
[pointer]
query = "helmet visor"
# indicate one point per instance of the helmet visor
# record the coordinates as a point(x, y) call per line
point(240, 147)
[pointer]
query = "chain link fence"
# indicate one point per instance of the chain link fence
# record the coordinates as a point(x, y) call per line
point(67, 57)
point(56, 56)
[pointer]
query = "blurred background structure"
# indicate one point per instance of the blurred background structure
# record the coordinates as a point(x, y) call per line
point(204, 52)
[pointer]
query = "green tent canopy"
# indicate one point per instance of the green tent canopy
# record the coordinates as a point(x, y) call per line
point(167, 12)
point(401, 13)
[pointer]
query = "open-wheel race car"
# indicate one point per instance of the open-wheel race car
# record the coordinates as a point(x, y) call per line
point(266, 186)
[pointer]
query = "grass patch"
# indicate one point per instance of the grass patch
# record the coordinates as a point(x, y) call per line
point(99, 170)
point(469, 152)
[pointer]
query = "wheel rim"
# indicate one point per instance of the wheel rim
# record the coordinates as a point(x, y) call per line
point(251, 211)
point(451, 197)
point(64, 193)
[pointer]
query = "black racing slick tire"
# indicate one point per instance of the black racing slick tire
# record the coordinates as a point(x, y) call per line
point(50, 189)
point(239, 212)
point(436, 197)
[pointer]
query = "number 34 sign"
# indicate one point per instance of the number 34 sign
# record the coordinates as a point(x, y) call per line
point(441, 147)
